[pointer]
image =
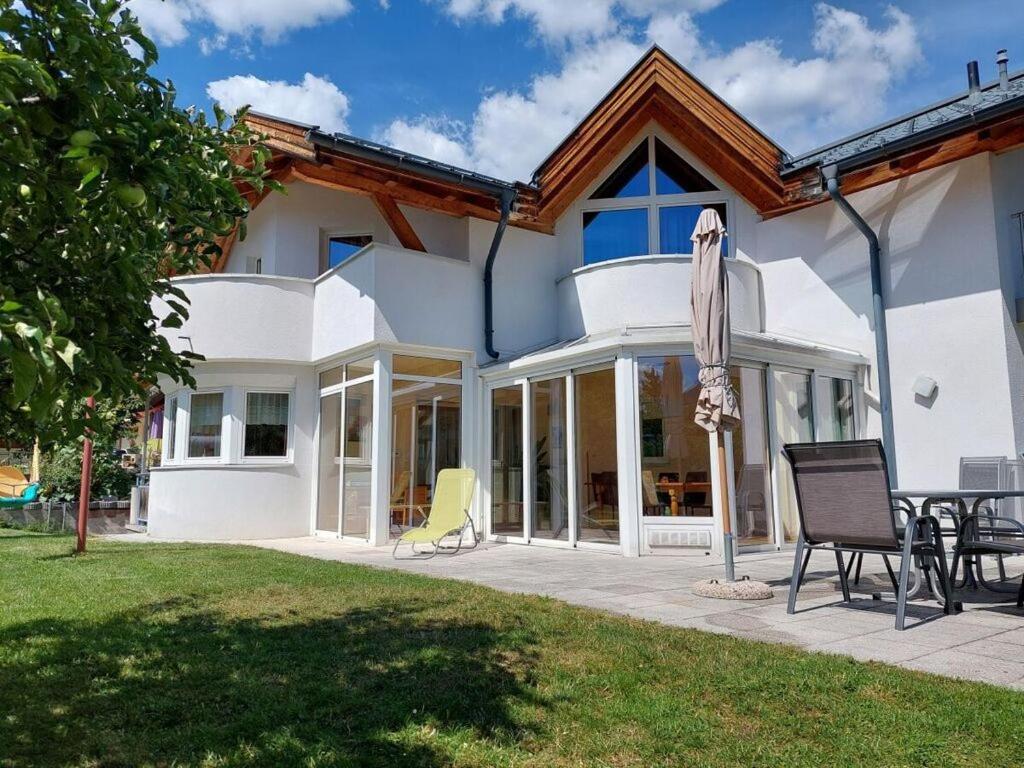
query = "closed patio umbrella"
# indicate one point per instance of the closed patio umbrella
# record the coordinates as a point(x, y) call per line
point(717, 406)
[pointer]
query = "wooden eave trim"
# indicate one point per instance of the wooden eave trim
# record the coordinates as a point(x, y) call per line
point(700, 121)
point(805, 189)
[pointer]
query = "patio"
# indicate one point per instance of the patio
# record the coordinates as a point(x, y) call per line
point(984, 643)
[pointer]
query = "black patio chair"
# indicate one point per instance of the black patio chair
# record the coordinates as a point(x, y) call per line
point(845, 505)
point(987, 534)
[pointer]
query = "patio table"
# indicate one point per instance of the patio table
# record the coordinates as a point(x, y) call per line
point(959, 498)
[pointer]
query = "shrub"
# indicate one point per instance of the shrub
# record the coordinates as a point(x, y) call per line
point(61, 473)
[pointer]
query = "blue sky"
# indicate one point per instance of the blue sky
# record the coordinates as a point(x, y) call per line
point(494, 84)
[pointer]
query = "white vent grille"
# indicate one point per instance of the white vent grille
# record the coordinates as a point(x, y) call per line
point(677, 536)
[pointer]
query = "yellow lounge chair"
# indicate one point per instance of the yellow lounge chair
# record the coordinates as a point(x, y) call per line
point(449, 515)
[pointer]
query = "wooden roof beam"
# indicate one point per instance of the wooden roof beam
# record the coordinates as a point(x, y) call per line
point(399, 223)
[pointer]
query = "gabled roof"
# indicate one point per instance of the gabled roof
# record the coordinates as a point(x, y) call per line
point(660, 89)
point(657, 89)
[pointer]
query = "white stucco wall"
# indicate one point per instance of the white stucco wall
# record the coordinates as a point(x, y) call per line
point(1008, 196)
point(216, 499)
point(944, 307)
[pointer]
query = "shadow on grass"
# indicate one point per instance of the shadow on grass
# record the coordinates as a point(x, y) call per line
point(174, 684)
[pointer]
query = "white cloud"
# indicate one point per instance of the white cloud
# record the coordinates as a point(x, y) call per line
point(169, 22)
point(798, 102)
point(573, 20)
point(315, 100)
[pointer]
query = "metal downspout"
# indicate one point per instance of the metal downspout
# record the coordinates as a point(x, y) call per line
point(507, 198)
point(831, 176)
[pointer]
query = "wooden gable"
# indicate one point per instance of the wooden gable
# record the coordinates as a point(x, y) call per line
point(658, 89)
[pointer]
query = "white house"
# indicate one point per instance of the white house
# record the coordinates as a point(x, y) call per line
point(381, 322)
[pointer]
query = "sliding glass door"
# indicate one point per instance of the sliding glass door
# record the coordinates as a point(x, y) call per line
point(507, 461)
point(345, 475)
point(426, 432)
point(597, 465)
point(794, 423)
point(550, 513)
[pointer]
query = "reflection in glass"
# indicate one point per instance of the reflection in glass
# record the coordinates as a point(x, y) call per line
point(332, 377)
point(676, 224)
point(835, 409)
point(550, 514)
point(358, 477)
point(631, 179)
point(754, 523)
point(675, 460)
point(266, 424)
point(507, 461)
point(794, 420)
point(675, 176)
point(614, 234)
point(597, 490)
point(206, 413)
point(426, 424)
point(409, 365)
point(359, 368)
point(330, 464)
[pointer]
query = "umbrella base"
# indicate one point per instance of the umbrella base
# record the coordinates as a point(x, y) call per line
point(744, 589)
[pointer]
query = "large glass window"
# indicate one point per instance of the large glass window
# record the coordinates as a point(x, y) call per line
point(172, 426)
point(675, 462)
point(426, 434)
point(677, 222)
point(614, 234)
point(437, 368)
point(327, 506)
point(835, 409)
point(507, 461)
point(630, 179)
point(794, 421)
point(597, 468)
point(266, 424)
point(652, 186)
point(754, 523)
point(206, 413)
point(550, 513)
point(358, 478)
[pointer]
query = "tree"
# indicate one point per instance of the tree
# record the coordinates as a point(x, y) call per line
point(107, 189)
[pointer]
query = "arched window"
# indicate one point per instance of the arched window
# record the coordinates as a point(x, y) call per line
point(648, 205)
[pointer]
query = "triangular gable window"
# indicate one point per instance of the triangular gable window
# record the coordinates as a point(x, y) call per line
point(649, 204)
point(631, 179)
point(675, 176)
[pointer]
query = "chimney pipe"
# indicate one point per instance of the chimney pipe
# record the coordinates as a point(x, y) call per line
point(1002, 61)
point(973, 82)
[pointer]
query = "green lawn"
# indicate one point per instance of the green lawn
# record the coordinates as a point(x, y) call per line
point(145, 654)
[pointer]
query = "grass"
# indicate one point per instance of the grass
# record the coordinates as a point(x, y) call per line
point(147, 654)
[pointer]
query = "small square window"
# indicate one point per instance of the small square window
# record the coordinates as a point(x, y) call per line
point(266, 424)
point(340, 248)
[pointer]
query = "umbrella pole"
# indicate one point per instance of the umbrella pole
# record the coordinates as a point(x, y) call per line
point(723, 481)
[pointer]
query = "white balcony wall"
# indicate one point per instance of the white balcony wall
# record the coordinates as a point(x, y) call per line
point(244, 317)
point(647, 290)
point(387, 294)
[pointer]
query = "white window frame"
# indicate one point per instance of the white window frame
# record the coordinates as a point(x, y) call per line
point(326, 235)
point(225, 428)
point(289, 456)
point(654, 202)
point(171, 431)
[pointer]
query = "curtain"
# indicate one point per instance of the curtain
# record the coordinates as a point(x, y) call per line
point(267, 408)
